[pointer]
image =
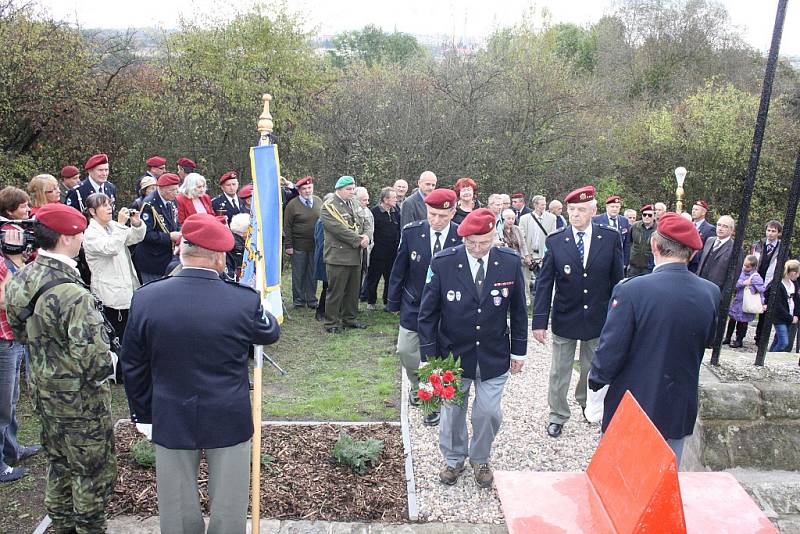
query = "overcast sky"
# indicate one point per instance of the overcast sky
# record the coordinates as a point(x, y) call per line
point(473, 18)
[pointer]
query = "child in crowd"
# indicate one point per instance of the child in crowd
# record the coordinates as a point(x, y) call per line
point(749, 280)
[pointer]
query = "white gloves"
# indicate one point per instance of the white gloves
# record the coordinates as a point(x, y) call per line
point(147, 430)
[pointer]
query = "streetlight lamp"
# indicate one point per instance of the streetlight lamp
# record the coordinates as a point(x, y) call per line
point(680, 176)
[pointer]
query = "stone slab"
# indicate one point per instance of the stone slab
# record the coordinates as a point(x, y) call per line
point(740, 401)
point(780, 399)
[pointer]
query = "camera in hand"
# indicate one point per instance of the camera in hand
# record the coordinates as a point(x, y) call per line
point(28, 237)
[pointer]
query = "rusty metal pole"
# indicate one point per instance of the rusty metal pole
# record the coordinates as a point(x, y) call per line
point(750, 180)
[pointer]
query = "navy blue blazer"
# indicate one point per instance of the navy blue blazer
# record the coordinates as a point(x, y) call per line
point(221, 202)
point(581, 296)
point(187, 372)
point(76, 197)
point(657, 329)
point(154, 253)
point(410, 269)
point(706, 230)
point(624, 230)
point(453, 320)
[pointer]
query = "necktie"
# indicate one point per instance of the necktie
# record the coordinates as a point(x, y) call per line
point(716, 246)
point(614, 222)
point(102, 189)
point(580, 244)
point(770, 248)
point(479, 277)
point(437, 246)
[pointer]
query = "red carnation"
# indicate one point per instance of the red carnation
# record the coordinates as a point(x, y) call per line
point(435, 379)
point(448, 392)
point(438, 390)
point(424, 395)
point(448, 376)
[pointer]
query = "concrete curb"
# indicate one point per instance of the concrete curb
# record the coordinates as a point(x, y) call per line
point(411, 488)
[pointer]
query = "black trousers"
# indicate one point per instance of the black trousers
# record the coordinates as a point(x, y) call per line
point(118, 319)
point(378, 268)
point(741, 329)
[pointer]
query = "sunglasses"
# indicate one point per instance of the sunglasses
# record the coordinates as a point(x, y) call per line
point(647, 214)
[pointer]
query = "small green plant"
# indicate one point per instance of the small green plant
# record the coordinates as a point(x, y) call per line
point(267, 461)
point(358, 454)
point(144, 453)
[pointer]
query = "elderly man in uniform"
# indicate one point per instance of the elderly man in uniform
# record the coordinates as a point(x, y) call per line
point(344, 241)
point(185, 168)
point(299, 218)
point(419, 242)
point(70, 177)
point(413, 207)
point(97, 182)
point(51, 310)
point(187, 381)
point(662, 371)
point(582, 265)
point(613, 219)
point(156, 166)
point(555, 207)
point(228, 202)
point(155, 252)
point(473, 293)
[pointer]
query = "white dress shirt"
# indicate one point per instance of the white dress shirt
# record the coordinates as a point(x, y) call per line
point(587, 241)
point(443, 241)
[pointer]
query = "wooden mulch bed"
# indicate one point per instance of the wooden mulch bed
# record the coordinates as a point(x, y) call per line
point(301, 480)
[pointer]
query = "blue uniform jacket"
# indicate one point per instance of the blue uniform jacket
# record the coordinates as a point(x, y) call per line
point(453, 320)
point(410, 269)
point(154, 253)
point(186, 372)
point(624, 230)
point(221, 202)
point(76, 197)
point(581, 296)
point(657, 329)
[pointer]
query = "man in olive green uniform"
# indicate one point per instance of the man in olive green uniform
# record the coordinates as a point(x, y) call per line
point(70, 363)
point(344, 241)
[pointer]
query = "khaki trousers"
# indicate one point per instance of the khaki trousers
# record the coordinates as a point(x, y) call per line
point(561, 374)
point(408, 350)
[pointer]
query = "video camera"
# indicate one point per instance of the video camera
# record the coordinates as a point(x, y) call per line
point(28, 237)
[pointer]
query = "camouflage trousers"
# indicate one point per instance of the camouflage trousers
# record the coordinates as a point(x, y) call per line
point(81, 473)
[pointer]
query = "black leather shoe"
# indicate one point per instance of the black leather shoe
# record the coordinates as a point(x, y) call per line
point(413, 398)
point(736, 344)
point(356, 325)
point(554, 430)
point(333, 330)
point(312, 306)
point(431, 420)
point(583, 411)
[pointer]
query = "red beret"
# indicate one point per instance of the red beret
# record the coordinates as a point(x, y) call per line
point(156, 161)
point(206, 231)
point(441, 199)
point(613, 199)
point(69, 171)
point(186, 162)
point(678, 229)
point(168, 179)
point(61, 218)
point(94, 161)
point(305, 180)
point(518, 195)
point(647, 207)
point(702, 203)
point(584, 194)
point(230, 175)
point(246, 191)
point(479, 221)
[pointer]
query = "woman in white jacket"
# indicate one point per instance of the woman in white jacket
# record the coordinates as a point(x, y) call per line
point(105, 243)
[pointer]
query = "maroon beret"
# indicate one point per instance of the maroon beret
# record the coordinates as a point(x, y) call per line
point(186, 162)
point(94, 161)
point(518, 195)
point(156, 161)
point(69, 171)
point(61, 218)
point(246, 191)
point(647, 207)
point(168, 179)
point(206, 231)
point(613, 199)
point(584, 194)
point(678, 229)
point(480, 221)
point(230, 175)
point(441, 199)
point(305, 180)
point(702, 203)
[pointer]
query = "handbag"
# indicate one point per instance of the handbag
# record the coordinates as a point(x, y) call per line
point(751, 301)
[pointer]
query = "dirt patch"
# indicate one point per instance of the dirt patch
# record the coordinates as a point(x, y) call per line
point(299, 481)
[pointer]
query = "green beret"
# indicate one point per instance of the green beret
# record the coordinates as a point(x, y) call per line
point(344, 181)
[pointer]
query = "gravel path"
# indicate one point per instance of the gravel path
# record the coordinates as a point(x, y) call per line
point(521, 444)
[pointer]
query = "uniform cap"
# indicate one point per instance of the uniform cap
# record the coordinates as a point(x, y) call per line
point(69, 171)
point(230, 175)
point(168, 179)
point(146, 181)
point(702, 203)
point(583, 194)
point(94, 161)
point(61, 218)
point(156, 161)
point(246, 191)
point(518, 194)
point(305, 180)
point(186, 162)
point(647, 207)
point(613, 199)
point(441, 199)
point(344, 181)
point(206, 231)
point(679, 229)
point(479, 221)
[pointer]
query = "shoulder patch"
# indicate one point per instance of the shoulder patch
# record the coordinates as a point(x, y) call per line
point(605, 228)
point(414, 224)
point(448, 251)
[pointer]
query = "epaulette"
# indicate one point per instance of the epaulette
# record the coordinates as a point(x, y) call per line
point(507, 250)
point(606, 228)
point(154, 281)
point(448, 251)
point(625, 280)
point(237, 284)
point(414, 224)
point(556, 232)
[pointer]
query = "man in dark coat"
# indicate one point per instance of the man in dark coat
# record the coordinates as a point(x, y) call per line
point(187, 380)
point(518, 205)
point(473, 307)
point(97, 182)
point(613, 219)
point(661, 371)
point(413, 207)
point(155, 252)
point(419, 241)
point(704, 228)
point(767, 251)
point(228, 202)
point(717, 252)
point(386, 238)
point(583, 263)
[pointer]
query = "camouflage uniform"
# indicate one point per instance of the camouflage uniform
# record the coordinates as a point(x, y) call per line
point(69, 364)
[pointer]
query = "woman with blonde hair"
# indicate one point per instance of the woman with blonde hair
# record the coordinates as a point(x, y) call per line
point(43, 189)
point(193, 197)
point(787, 305)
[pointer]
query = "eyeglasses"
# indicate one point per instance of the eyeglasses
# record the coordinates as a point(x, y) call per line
point(478, 244)
point(647, 214)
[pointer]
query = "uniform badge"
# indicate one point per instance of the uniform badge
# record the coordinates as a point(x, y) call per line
point(497, 263)
point(614, 304)
point(451, 296)
point(413, 255)
point(494, 292)
point(429, 276)
point(145, 217)
point(458, 296)
point(567, 269)
point(498, 301)
point(505, 292)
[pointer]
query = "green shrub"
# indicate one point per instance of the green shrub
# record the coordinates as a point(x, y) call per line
point(358, 454)
point(144, 453)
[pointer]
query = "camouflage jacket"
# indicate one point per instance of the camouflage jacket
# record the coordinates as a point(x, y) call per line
point(69, 347)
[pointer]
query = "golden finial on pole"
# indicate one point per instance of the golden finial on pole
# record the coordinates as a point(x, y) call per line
point(680, 176)
point(265, 121)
